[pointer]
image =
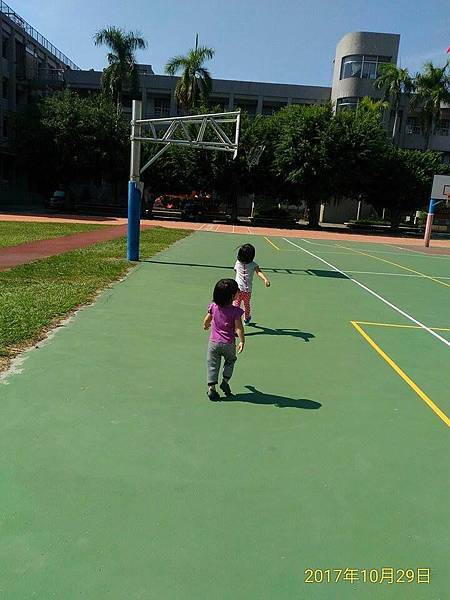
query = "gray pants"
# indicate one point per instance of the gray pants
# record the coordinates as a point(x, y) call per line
point(217, 350)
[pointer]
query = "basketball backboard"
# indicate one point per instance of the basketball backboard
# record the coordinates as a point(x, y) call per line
point(441, 187)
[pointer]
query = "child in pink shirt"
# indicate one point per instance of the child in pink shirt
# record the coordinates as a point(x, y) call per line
point(225, 321)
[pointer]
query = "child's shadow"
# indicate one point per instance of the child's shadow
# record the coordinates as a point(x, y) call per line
point(257, 397)
point(287, 331)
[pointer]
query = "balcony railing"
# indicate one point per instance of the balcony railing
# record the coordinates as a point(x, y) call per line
point(31, 31)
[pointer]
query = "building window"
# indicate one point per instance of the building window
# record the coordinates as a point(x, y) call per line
point(5, 127)
point(126, 101)
point(221, 104)
point(248, 106)
point(369, 68)
point(162, 107)
point(21, 96)
point(5, 41)
point(363, 66)
point(351, 66)
point(5, 88)
point(413, 126)
point(272, 108)
point(348, 103)
point(443, 127)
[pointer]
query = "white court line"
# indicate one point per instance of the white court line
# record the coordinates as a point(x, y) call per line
point(233, 229)
point(409, 250)
point(380, 251)
point(218, 227)
point(395, 274)
point(364, 287)
point(352, 252)
point(391, 274)
point(425, 254)
point(317, 243)
point(405, 250)
point(335, 245)
point(201, 227)
point(248, 229)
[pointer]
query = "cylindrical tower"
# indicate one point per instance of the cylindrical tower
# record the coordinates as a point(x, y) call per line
point(356, 64)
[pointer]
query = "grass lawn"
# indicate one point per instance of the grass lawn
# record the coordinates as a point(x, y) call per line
point(13, 233)
point(35, 295)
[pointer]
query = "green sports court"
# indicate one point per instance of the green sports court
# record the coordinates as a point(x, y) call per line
point(324, 475)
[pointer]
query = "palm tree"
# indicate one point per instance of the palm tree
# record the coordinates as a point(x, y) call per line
point(195, 83)
point(394, 81)
point(374, 107)
point(122, 70)
point(432, 87)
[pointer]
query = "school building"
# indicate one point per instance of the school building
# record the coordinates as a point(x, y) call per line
point(31, 67)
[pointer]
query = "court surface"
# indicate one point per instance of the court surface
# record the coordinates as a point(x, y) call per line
point(119, 479)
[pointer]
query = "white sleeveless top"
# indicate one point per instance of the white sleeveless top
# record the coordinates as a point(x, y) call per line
point(244, 275)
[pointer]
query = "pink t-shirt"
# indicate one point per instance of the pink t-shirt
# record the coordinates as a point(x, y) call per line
point(222, 326)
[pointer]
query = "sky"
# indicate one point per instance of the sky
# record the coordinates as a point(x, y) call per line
point(284, 41)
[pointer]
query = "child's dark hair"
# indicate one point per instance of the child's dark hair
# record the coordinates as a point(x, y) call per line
point(224, 291)
point(246, 253)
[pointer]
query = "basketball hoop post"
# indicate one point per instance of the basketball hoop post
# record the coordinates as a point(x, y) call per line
point(440, 193)
point(134, 187)
point(429, 225)
point(207, 131)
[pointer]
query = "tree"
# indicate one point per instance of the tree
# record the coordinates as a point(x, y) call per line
point(401, 181)
point(122, 70)
point(325, 155)
point(394, 82)
point(66, 139)
point(370, 106)
point(432, 90)
point(195, 84)
point(354, 143)
point(300, 155)
point(264, 178)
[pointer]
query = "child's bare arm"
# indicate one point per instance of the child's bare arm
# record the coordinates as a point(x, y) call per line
point(207, 321)
point(262, 276)
point(240, 333)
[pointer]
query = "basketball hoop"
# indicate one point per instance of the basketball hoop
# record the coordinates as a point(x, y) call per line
point(214, 131)
point(195, 131)
point(253, 156)
point(440, 195)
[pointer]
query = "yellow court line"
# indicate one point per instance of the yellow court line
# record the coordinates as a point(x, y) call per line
point(395, 265)
point(400, 326)
point(271, 243)
point(402, 374)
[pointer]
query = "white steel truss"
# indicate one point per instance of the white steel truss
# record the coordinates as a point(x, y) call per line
point(196, 131)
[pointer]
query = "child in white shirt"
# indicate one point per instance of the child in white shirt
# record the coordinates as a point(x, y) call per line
point(245, 268)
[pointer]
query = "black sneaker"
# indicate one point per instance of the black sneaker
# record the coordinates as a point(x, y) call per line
point(226, 388)
point(212, 394)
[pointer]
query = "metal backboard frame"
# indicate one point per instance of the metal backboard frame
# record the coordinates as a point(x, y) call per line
point(195, 131)
point(207, 132)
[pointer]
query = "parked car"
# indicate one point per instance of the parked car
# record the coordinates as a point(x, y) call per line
point(57, 200)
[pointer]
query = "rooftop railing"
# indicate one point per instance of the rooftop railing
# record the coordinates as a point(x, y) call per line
point(31, 31)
